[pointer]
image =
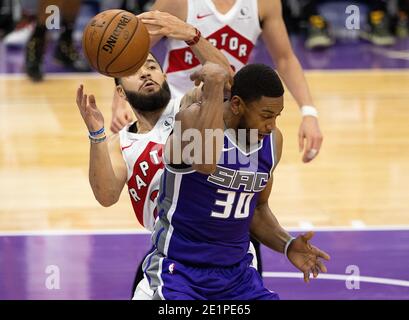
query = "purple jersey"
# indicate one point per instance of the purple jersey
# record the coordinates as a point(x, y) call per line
point(204, 219)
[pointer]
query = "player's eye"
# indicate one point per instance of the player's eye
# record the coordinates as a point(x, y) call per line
point(152, 67)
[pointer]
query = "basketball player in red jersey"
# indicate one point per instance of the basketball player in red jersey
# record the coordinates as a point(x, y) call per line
point(134, 155)
point(234, 26)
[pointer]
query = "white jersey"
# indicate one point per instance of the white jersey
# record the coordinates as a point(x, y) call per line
point(234, 33)
point(143, 157)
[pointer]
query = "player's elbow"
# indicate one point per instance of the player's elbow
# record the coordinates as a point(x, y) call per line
point(105, 198)
point(106, 201)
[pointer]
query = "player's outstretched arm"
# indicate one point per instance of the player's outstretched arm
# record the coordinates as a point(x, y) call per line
point(197, 138)
point(178, 8)
point(304, 256)
point(165, 24)
point(107, 169)
point(278, 44)
point(266, 228)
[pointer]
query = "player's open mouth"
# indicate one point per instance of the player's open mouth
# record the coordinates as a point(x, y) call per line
point(149, 85)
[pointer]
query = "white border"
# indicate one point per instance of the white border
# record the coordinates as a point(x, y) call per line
point(339, 277)
point(55, 75)
point(80, 75)
point(144, 231)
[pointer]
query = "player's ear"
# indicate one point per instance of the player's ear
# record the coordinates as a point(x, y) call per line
point(236, 105)
point(121, 91)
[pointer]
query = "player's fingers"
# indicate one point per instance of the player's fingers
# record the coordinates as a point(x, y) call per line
point(315, 272)
point(315, 147)
point(307, 236)
point(115, 127)
point(307, 277)
point(319, 253)
point(92, 101)
point(146, 15)
point(318, 141)
point(321, 266)
point(309, 153)
point(197, 75)
point(79, 96)
point(84, 102)
point(157, 32)
point(154, 22)
point(122, 122)
point(300, 141)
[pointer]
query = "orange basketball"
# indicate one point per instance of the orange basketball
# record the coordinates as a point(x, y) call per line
point(116, 43)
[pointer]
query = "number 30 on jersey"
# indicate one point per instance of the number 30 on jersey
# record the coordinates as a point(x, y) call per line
point(242, 208)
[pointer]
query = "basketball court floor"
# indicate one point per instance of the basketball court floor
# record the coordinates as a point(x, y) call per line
point(354, 195)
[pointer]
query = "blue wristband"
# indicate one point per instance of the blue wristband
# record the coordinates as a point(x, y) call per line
point(96, 133)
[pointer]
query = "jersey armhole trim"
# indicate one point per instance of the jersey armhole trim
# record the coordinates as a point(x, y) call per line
point(179, 169)
point(273, 153)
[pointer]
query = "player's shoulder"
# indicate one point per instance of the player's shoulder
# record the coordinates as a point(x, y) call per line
point(267, 7)
point(278, 143)
point(278, 135)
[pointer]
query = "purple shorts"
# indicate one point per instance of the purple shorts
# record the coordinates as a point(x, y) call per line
point(177, 281)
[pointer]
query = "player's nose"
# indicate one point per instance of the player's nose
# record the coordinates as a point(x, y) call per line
point(270, 126)
point(145, 73)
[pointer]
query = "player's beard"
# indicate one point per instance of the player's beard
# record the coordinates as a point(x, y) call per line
point(149, 102)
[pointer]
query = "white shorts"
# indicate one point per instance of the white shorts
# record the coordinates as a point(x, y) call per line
point(143, 291)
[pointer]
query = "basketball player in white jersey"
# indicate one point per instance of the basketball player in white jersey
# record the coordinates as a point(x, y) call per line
point(134, 155)
point(234, 26)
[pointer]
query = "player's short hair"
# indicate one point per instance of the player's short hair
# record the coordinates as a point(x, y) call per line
point(118, 80)
point(254, 81)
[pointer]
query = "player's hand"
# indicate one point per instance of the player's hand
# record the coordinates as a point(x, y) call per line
point(212, 72)
point(93, 118)
point(121, 114)
point(164, 24)
point(309, 138)
point(306, 257)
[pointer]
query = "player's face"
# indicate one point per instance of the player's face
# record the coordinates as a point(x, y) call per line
point(147, 80)
point(147, 90)
point(262, 115)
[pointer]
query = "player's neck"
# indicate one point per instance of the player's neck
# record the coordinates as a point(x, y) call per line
point(223, 6)
point(147, 120)
point(230, 120)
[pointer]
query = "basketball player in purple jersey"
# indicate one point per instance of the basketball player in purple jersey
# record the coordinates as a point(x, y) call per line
point(214, 195)
point(234, 27)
